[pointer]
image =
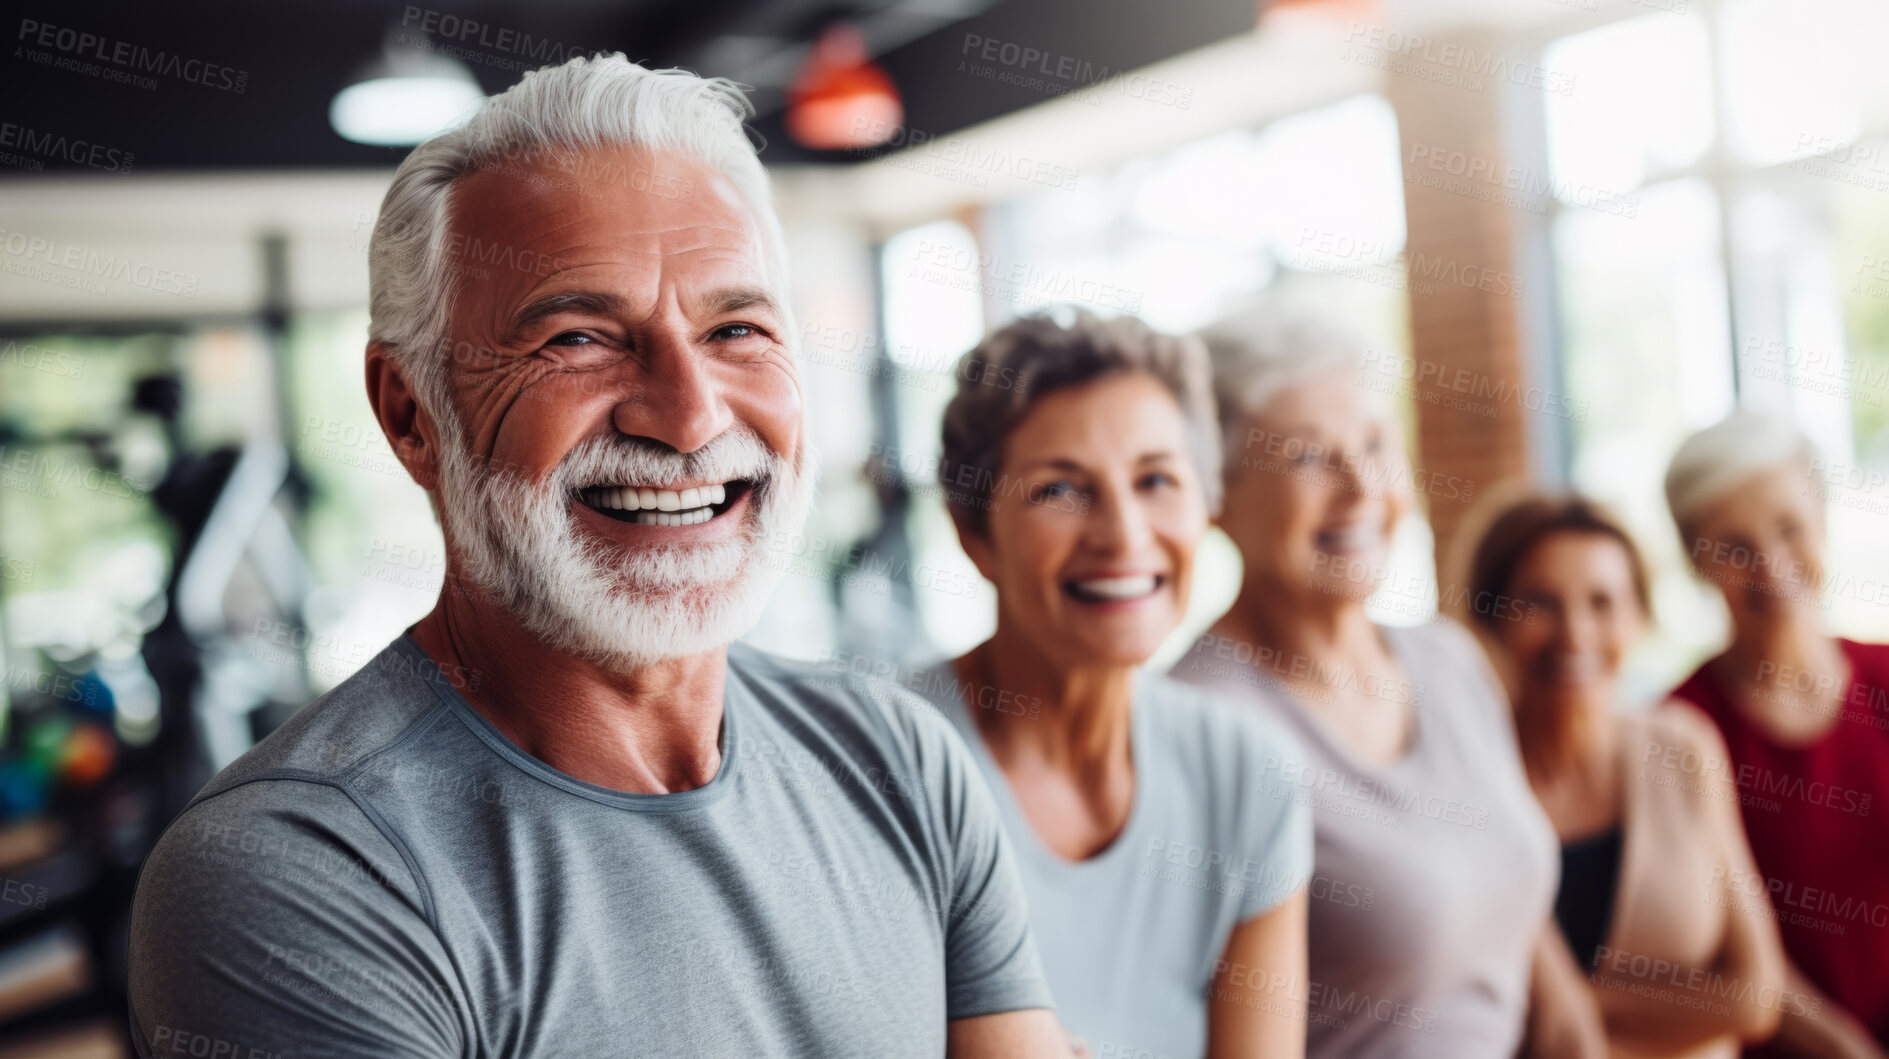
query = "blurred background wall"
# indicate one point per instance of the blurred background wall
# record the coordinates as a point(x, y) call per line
point(1572, 231)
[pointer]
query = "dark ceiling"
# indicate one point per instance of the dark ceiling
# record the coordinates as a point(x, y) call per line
point(63, 75)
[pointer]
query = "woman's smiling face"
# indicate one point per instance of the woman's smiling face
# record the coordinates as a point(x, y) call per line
point(1583, 618)
point(1094, 519)
point(1317, 488)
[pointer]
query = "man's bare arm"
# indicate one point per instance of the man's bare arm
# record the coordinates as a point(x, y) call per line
point(1030, 1032)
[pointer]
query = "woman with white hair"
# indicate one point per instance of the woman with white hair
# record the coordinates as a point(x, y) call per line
point(1805, 717)
point(1410, 764)
point(1166, 887)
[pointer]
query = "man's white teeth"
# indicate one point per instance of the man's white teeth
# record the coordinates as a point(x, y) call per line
point(687, 501)
point(1118, 588)
point(660, 507)
point(674, 518)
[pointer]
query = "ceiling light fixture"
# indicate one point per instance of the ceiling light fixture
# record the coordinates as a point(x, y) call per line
point(402, 97)
point(842, 99)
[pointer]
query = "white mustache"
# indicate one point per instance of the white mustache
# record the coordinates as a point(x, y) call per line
point(737, 453)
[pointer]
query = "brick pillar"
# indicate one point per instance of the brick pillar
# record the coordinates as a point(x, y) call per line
point(1466, 321)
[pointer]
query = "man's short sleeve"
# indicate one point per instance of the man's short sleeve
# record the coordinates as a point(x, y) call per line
point(991, 964)
point(274, 918)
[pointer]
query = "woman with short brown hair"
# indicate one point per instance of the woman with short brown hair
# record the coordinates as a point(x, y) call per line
point(1167, 888)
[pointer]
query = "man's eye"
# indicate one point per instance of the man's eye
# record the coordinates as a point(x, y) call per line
point(736, 331)
point(571, 338)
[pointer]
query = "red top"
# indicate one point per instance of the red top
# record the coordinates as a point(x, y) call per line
point(1815, 818)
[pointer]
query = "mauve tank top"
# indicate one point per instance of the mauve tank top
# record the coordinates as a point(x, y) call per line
point(1433, 875)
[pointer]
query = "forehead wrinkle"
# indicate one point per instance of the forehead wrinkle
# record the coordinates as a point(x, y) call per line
point(710, 239)
point(633, 273)
point(735, 298)
point(627, 243)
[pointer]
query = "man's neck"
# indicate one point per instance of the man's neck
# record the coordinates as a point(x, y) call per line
point(653, 730)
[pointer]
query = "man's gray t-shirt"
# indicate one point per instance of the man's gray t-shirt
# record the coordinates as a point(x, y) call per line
point(388, 875)
point(1131, 937)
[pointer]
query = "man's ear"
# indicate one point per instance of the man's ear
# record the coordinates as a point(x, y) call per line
point(410, 430)
point(976, 545)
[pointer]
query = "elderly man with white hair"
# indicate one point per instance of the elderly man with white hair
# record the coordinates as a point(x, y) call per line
point(562, 815)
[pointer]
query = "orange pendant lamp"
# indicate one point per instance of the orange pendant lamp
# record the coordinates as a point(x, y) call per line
point(841, 100)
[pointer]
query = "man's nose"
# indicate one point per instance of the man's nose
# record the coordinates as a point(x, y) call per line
point(677, 400)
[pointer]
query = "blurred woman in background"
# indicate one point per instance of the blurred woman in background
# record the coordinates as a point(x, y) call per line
point(1434, 868)
point(1805, 718)
point(1651, 844)
point(1079, 466)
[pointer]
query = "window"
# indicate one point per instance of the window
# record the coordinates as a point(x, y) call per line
point(1722, 200)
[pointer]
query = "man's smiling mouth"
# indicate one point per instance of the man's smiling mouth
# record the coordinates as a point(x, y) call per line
point(650, 506)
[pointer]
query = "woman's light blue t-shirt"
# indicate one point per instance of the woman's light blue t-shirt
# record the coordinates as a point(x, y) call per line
point(1130, 937)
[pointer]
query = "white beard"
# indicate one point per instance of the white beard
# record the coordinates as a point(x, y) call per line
point(519, 543)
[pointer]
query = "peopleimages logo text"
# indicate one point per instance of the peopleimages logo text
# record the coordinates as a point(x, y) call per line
point(52, 145)
point(136, 57)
